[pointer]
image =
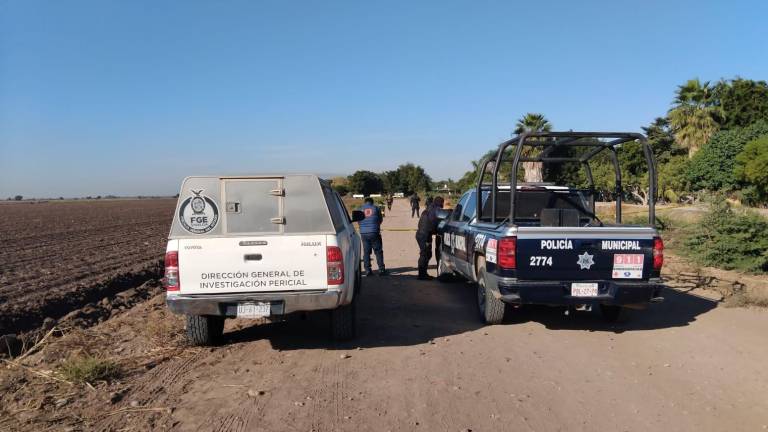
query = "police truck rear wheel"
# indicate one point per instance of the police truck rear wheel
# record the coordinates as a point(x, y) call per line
point(204, 330)
point(491, 308)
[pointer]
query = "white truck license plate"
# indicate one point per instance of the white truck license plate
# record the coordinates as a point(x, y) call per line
point(253, 310)
point(581, 289)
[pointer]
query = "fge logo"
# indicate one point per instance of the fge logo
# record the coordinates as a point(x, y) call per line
point(198, 214)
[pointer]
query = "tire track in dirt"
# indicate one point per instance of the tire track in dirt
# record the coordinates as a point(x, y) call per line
point(338, 396)
point(156, 389)
point(249, 402)
point(316, 395)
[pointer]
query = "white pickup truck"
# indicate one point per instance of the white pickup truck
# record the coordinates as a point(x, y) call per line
point(261, 246)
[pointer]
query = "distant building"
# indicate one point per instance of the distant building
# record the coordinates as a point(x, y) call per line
point(444, 189)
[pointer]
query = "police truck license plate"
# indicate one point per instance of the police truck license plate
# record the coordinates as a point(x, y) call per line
point(584, 289)
point(253, 310)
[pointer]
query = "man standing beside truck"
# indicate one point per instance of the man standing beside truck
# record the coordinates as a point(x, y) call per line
point(415, 200)
point(370, 233)
point(427, 228)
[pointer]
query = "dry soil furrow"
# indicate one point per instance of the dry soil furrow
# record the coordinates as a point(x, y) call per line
point(16, 245)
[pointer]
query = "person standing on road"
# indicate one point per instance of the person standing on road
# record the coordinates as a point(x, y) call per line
point(415, 200)
point(370, 233)
point(427, 228)
point(390, 200)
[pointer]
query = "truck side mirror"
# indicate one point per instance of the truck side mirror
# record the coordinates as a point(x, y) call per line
point(457, 210)
point(357, 215)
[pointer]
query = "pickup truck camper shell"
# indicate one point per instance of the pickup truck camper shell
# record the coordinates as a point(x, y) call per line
point(261, 246)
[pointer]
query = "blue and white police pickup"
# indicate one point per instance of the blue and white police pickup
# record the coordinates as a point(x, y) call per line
point(544, 244)
point(261, 246)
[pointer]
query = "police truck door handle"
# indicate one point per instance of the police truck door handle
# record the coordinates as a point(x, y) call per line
point(278, 220)
point(277, 192)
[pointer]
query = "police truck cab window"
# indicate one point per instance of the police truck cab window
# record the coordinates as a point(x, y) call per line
point(469, 208)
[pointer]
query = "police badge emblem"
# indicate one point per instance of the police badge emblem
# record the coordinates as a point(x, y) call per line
point(198, 214)
point(198, 203)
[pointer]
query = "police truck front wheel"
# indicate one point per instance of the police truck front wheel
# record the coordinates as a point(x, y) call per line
point(204, 330)
point(491, 308)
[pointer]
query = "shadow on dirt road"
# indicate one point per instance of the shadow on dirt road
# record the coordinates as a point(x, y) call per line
point(678, 310)
point(398, 310)
point(392, 311)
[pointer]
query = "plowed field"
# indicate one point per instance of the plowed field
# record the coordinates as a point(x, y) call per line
point(56, 256)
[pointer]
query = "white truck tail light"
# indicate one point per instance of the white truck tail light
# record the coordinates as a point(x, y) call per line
point(658, 253)
point(171, 278)
point(507, 253)
point(335, 265)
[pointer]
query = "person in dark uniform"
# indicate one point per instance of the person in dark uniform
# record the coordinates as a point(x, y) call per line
point(370, 233)
point(415, 200)
point(427, 228)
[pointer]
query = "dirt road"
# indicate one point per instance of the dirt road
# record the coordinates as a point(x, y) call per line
point(422, 361)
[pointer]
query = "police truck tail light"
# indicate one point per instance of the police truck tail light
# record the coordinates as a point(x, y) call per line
point(507, 253)
point(335, 265)
point(171, 278)
point(658, 253)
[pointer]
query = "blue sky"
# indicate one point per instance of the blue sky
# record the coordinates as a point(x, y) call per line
point(127, 97)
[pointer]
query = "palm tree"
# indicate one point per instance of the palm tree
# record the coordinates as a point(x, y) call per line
point(532, 122)
point(694, 117)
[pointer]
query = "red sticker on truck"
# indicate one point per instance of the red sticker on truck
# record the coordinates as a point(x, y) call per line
point(490, 251)
point(628, 266)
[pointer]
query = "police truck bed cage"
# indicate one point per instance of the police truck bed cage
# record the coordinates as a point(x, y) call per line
point(551, 141)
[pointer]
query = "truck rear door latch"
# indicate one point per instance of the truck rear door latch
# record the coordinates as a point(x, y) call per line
point(233, 207)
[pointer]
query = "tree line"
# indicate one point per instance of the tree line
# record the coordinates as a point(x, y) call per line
point(714, 138)
point(408, 178)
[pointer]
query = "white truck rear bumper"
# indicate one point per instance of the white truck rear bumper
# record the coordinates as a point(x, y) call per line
point(226, 304)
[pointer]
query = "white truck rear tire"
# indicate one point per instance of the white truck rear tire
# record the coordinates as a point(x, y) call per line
point(343, 322)
point(204, 330)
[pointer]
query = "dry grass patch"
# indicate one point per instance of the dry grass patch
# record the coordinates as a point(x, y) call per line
point(89, 369)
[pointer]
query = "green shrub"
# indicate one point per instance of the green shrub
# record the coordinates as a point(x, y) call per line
point(730, 240)
point(341, 189)
point(89, 369)
point(751, 196)
point(752, 168)
point(671, 177)
point(712, 168)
